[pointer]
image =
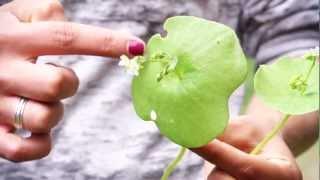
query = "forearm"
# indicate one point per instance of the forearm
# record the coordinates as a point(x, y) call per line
point(300, 131)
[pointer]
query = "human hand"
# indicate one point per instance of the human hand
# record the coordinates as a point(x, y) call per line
point(230, 154)
point(31, 28)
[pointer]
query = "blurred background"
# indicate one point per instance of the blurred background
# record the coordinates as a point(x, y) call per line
point(309, 163)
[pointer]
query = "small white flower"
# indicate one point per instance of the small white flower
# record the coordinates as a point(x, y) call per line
point(312, 52)
point(131, 65)
point(153, 115)
point(315, 51)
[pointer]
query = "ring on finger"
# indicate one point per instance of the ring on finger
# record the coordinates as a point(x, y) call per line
point(18, 117)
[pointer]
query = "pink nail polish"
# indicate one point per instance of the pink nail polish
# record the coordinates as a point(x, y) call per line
point(136, 47)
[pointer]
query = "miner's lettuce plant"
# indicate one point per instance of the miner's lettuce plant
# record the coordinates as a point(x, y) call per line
point(291, 86)
point(184, 81)
point(187, 78)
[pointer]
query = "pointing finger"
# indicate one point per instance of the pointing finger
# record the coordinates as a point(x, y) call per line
point(58, 38)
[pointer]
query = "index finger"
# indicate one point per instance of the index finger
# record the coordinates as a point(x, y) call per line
point(59, 38)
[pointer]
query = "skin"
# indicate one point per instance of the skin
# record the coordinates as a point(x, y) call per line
point(277, 161)
point(31, 28)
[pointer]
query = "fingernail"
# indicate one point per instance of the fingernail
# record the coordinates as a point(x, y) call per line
point(136, 47)
point(52, 64)
point(56, 64)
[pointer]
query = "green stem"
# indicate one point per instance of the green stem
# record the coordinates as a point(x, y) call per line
point(270, 135)
point(167, 172)
point(310, 70)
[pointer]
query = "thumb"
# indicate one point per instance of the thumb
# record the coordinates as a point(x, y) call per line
point(242, 165)
point(225, 156)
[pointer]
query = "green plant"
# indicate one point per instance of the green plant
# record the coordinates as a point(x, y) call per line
point(290, 85)
point(185, 79)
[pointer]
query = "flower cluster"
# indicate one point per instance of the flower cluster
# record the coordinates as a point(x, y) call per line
point(132, 66)
point(299, 83)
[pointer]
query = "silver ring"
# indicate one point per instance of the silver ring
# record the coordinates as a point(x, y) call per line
point(18, 116)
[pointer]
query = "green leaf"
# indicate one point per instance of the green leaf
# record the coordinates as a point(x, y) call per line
point(187, 79)
point(272, 85)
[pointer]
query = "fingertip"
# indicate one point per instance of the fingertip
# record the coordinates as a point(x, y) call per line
point(135, 47)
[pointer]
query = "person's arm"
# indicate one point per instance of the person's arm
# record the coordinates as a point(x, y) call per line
point(32, 28)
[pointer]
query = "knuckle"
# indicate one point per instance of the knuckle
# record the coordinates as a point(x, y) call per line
point(46, 149)
point(8, 31)
point(108, 42)
point(55, 86)
point(47, 118)
point(246, 171)
point(15, 152)
point(42, 122)
point(74, 81)
point(63, 35)
point(49, 8)
point(5, 82)
point(3, 38)
point(250, 138)
point(7, 75)
point(2, 80)
point(62, 83)
point(247, 136)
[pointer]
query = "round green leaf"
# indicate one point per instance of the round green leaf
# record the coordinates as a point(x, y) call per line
point(272, 85)
point(205, 65)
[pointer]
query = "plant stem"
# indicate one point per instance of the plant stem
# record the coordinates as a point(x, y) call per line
point(310, 69)
point(167, 172)
point(270, 135)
